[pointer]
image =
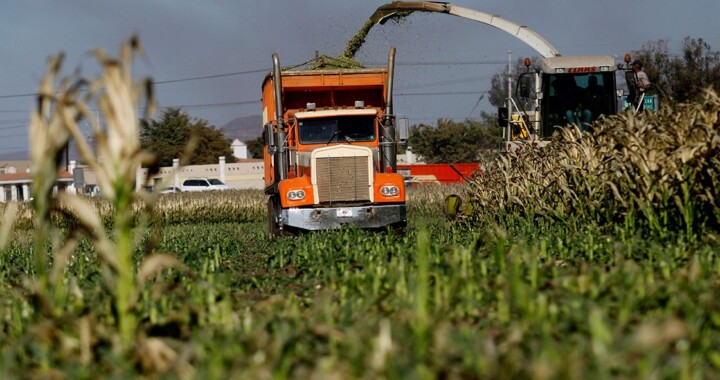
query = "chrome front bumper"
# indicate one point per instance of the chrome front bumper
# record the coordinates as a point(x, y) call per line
point(374, 216)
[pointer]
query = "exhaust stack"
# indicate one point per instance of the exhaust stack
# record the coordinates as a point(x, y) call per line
point(281, 159)
point(388, 146)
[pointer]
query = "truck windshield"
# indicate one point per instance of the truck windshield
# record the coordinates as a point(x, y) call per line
point(334, 129)
point(578, 96)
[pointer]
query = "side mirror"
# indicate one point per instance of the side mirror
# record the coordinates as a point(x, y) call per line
point(525, 88)
point(268, 135)
point(402, 128)
point(502, 121)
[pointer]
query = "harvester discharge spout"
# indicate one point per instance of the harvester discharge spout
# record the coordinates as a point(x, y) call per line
point(522, 32)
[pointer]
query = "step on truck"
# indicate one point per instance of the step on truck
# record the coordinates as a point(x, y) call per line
point(330, 146)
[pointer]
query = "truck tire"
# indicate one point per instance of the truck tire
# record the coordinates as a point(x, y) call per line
point(273, 226)
point(399, 229)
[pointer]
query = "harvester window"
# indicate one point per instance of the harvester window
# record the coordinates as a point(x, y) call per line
point(588, 95)
point(336, 129)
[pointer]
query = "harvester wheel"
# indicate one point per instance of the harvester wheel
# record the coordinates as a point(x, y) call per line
point(453, 204)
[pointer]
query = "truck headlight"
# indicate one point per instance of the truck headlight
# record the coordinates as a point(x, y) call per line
point(389, 191)
point(296, 195)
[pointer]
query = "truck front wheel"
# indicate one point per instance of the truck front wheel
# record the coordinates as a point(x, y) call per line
point(273, 207)
point(273, 227)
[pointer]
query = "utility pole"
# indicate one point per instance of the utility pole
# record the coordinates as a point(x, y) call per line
point(509, 102)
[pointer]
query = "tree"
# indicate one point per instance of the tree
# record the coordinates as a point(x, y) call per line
point(168, 138)
point(255, 147)
point(498, 83)
point(453, 142)
point(683, 77)
point(656, 60)
point(698, 69)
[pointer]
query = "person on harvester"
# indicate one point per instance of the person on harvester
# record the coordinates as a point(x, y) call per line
point(642, 83)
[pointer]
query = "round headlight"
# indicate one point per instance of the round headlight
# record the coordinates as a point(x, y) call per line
point(296, 195)
point(389, 191)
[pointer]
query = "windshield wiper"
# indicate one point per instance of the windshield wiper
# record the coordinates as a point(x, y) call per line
point(332, 137)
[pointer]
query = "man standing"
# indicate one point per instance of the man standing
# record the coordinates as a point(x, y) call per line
point(642, 83)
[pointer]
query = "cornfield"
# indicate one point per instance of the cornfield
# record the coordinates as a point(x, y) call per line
point(657, 173)
point(593, 258)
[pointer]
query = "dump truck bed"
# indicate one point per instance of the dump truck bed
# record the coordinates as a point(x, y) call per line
point(326, 88)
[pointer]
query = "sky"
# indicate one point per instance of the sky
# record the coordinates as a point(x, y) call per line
point(210, 57)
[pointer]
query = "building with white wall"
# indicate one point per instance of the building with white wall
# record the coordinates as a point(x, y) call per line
point(248, 173)
point(243, 174)
point(16, 181)
point(240, 149)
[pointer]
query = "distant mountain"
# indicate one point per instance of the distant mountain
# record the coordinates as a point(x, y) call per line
point(244, 128)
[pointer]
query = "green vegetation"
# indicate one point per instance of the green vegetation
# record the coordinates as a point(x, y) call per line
point(594, 258)
point(358, 40)
point(255, 147)
point(480, 299)
point(655, 174)
point(168, 138)
point(682, 76)
point(454, 142)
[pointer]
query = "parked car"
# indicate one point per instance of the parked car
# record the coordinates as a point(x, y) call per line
point(203, 184)
point(170, 189)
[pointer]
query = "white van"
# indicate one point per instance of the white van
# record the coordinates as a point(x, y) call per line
point(203, 184)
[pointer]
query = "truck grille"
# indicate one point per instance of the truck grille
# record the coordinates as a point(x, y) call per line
point(342, 178)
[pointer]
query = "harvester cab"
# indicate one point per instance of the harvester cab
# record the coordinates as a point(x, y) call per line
point(559, 91)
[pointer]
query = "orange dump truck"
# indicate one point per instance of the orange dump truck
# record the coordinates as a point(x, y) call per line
point(330, 149)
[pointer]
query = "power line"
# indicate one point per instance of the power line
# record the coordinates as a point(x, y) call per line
point(213, 104)
point(445, 63)
point(211, 76)
point(17, 96)
point(161, 82)
point(13, 121)
point(264, 70)
point(257, 101)
point(474, 78)
point(442, 93)
point(15, 135)
point(453, 118)
point(14, 126)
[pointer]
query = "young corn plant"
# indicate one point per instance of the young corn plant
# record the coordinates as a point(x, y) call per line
point(115, 161)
